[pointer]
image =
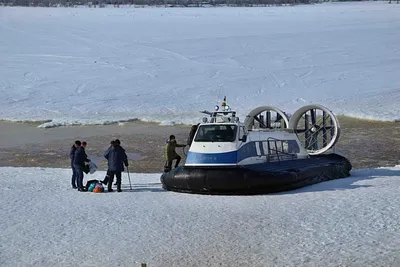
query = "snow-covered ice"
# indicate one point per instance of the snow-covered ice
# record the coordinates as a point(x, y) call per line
point(85, 66)
point(347, 222)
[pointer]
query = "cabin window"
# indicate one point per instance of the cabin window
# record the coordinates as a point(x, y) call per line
point(281, 146)
point(216, 133)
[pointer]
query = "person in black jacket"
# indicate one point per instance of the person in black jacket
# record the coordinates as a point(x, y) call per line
point(72, 156)
point(80, 159)
point(116, 158)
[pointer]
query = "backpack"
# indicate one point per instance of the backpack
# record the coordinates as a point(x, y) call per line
point(90, 182)
point(91, 187)
point(98, 188)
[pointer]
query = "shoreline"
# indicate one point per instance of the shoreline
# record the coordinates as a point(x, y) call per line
point(123, 121)
point(26, 145)
point(39, 123)
point(366, 143)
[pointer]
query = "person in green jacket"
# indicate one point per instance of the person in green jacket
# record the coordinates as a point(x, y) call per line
point(170, 153)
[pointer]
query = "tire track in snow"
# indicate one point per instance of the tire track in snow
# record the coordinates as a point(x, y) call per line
point(80, 87)
point(180, 56)
point(305, 74)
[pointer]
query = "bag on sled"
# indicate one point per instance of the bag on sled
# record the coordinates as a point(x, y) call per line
point(91, 184)
point(91, 187)
point(98, 188)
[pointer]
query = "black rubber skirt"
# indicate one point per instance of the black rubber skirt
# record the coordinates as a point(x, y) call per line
point(257, 179)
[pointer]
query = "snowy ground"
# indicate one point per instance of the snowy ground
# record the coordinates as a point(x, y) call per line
point(85, 65)
point(348, 222)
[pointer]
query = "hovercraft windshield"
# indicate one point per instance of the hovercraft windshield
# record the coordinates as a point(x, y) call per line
point(216, 133)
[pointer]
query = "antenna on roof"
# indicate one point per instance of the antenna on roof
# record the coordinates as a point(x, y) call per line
point(219, 92)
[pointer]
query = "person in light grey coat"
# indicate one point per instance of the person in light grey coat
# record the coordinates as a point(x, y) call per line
point(116, 158)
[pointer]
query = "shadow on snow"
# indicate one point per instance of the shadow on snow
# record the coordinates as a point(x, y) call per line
point(149, 187)
point(348, 183)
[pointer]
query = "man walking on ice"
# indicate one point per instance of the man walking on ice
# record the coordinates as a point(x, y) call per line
point(116, 158)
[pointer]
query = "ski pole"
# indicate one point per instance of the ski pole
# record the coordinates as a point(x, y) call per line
point(129, 177)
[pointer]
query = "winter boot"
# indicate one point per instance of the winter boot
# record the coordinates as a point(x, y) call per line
point(109, 187)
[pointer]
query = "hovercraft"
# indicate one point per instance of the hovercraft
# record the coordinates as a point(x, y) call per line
point(264, 154)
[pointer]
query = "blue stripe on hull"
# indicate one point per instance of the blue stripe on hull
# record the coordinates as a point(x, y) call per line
point(248, 150)
point(212, 158)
